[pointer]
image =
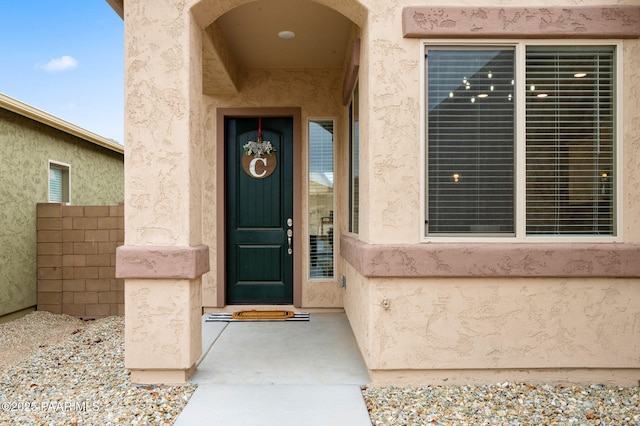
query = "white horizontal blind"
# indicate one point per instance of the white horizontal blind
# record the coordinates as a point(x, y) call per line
point(471, 139)
point(59, 184)
point(55, 184)
point(570, 138)
point(321, 199)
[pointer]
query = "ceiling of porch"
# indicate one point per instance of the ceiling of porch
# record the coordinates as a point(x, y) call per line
point(251, 30)
point(247, 37)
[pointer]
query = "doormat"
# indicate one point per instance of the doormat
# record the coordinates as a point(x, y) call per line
point(257, 316)
point(262, 315)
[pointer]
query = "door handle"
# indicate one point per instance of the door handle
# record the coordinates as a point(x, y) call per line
point(289, 238)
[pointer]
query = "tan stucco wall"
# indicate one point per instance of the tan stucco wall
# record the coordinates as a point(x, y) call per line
point(505, 323)
point(357, 305)
point(163, 133)
point(162, 332)
point(453, 330)
point(435, 324)
point(97, 178)
point(400, 324)
point(631, 137)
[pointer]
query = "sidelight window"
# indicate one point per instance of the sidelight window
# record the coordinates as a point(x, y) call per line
point(321, 199)
point(354, 162)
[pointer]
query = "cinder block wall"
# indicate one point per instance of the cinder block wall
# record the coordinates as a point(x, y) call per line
point(77, 258)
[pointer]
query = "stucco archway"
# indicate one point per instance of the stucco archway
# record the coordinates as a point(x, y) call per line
point(207, 11)
point(243, 35)
point(171, 180)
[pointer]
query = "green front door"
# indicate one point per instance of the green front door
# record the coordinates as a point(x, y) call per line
point(259, 212)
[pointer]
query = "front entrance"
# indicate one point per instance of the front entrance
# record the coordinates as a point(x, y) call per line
point(259, 210)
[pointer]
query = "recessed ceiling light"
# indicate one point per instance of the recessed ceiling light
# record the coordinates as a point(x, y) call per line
point(483, 95)
point(580, 74)
point(542, 95)
point(286, 34)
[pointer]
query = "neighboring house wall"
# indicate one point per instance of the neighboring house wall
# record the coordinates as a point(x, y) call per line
point(26, 146)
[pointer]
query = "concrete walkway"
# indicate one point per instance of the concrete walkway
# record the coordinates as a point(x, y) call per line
point(279, 373)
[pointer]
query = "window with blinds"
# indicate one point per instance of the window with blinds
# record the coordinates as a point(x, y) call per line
point(471, 134)
point(321, 199)
point(354, 162)
point(58, 183)
point(559, 169)
point(570, 139)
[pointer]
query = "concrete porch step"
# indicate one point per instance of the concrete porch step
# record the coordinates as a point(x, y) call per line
point(279, 373)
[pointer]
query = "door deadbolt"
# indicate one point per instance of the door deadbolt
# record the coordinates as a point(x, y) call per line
point(289, 235)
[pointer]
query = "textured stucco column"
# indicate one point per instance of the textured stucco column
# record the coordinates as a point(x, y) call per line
point(163, 259)
point(163, 333)
point(163, 295)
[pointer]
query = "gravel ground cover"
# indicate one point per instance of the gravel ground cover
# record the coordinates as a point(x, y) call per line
point(57, 370)
point(504, 404)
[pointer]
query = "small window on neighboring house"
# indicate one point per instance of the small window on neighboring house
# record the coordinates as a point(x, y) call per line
point(354, 162)
point(59, 183)
point(521, 140)
point(321, 199)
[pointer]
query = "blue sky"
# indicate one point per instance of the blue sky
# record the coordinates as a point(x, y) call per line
point(65, 57)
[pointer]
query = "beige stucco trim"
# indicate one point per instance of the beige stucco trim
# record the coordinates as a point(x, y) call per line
point(162, 262)
point(47, 119)
point(492, 260)
point(521, 22)
point(296, 113)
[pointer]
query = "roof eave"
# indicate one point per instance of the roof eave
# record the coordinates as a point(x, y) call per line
point(40, 116)
point(117, 6)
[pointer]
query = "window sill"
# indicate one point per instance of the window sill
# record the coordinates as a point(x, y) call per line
point(499, 260)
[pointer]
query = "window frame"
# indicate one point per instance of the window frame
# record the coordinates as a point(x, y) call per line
point(519, 47)
point(66, 183)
